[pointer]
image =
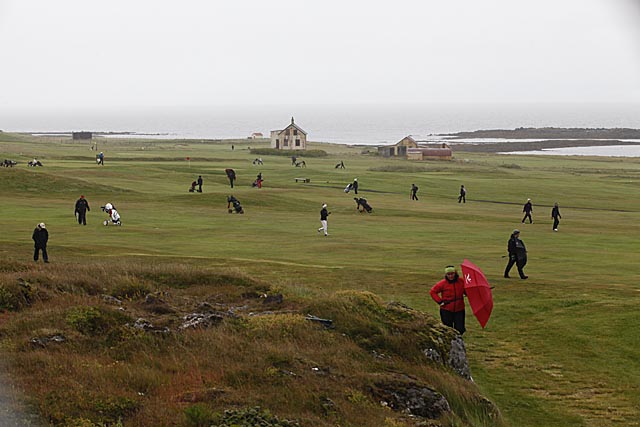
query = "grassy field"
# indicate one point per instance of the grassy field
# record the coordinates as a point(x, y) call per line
point(561, 347)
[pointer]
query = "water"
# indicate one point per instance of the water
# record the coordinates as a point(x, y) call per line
point(608, 151)
point(344, 124)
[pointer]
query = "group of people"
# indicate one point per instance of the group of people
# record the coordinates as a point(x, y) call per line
point(198, 182)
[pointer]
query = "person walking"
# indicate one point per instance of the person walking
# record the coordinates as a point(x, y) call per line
point(555, 214)
point(449, 293)
point(354, 186)
point(82, 206)
point(231, 174)
point(324, 214)
point(199, 183)
point(517, 255)
point(101, 158)
point(414, 190)
point(463, 195)
point(527, 209)
point(40, 238)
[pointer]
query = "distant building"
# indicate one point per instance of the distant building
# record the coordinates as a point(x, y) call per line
point(399, 149)
point(290, 138)
point(256, 135)
point(82, 135)
point(439, 151)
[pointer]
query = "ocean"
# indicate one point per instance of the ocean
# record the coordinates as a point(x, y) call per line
point(344, 124)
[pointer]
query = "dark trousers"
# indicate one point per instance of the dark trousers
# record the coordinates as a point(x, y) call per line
point(44, 253)
point(413, 196)
point(231, 182)
point(520, 263)
point(556, 221)
point(453, 319)
point(200, 188)
point(462, 198)
point(527, 215)
point(82, 217)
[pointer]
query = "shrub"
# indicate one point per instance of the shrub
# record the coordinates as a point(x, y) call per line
point(94, 321)
point(251, 417)
point(130, 289)
point(198, 415)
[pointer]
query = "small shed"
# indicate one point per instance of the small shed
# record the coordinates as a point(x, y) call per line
point(256, 135)
point(427, 152)
point(399, 149)
point(82, 135)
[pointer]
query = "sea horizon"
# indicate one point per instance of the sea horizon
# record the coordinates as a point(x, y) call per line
point(342, 124)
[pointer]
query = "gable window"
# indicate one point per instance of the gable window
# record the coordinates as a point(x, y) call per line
point(297, 143)
point(295, 131)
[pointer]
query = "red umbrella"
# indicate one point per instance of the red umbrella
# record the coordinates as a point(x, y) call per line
point(478, 291)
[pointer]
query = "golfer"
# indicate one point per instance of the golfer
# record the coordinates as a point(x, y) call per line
point(517, 255)
point(40, 238)
point(324, 214)
point(449, 293)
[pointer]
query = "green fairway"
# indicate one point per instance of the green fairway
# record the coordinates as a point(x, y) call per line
point(561, 348)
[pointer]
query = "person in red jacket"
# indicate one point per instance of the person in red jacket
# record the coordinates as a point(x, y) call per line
point(448, 293)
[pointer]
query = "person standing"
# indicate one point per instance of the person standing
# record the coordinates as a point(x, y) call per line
point(517, 255)
point(354, 186)
point(527, 209)
point(449, 293)
point(463, 195)
point(324, 214)
point(414, 190)
point(82, 206)
point(555, 214)
point(40, 237)
point(199, 183)
point(231, 174)
point(101, 158)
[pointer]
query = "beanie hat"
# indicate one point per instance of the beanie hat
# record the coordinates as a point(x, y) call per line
point(516, 231)
point(41, 225)
point(449, 269)
point(324, 205)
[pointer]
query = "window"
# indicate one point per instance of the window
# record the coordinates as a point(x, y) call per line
point(297, 143)
point(286, 143)
point(295, 131)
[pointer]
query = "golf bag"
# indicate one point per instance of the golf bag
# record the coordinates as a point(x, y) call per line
point(362, 203)
point(236, 205)
point(348, 188)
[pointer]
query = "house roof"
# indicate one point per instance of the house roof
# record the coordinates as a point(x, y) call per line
point(292, 125)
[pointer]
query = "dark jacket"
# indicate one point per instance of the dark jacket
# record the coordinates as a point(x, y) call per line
point(555, 212)
point(527, 207)
point(354, 185)
point(82, 205)
point(199, 180)
point(231, 173)
point(516, 248)
point(324, 214)
point(40, 237)
point(414, 188)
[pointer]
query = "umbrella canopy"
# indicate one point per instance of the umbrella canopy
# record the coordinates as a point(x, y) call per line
point(478, 291)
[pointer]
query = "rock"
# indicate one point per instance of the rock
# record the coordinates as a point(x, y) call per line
point(111, 300)
point(43, 341)
point(201, 320)
point(147, 326)
point(458, 358)
point(406, 395)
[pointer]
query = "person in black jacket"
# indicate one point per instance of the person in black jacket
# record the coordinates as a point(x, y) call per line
point(324, 214)
point(414, 190)
point(527, 209)
point(354, 185)
point(463, 195)
point(517, 255)
point(555, 214)
point(40, 237)
point(82, 206)
point(231, 174)
point(200, 184)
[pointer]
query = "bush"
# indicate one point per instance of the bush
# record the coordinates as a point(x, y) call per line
point(198, 415)
point(251, 417)
point(94, 321)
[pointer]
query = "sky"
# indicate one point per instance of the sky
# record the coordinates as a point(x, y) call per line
point(143, 53)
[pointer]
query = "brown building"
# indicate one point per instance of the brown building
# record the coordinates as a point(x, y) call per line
point(399, 149)
point(290, 138)
point(82, 135)
point(433, 151)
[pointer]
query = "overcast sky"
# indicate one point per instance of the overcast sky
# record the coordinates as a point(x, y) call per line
point(89, 54)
